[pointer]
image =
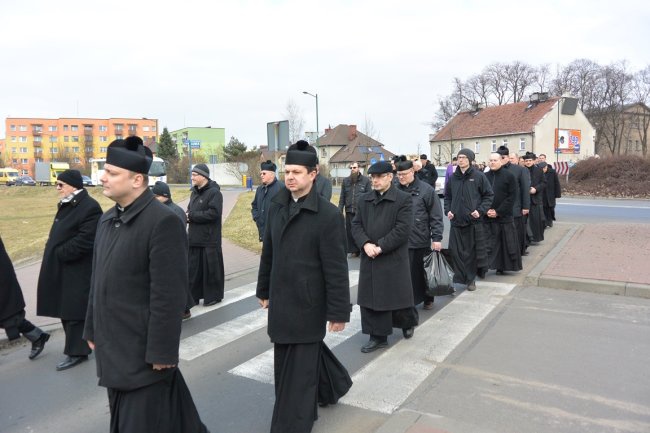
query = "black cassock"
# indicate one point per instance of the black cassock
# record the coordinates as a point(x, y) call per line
point(536, 223)
point(165, 406)
point(469, 248)
point(503, 245)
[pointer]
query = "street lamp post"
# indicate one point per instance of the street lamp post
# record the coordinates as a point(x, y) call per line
point(317, 133)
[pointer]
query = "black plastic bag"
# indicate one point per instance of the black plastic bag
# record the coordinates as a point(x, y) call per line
point(440, 276)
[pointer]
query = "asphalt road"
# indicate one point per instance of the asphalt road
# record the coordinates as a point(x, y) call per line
point(506, 358)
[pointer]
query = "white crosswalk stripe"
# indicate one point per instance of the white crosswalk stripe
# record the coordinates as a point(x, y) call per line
point(386, 382)
point(204, 342)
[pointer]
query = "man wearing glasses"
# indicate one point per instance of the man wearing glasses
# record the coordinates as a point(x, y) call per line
point(64, 280)
point(263, 195)
point(353, 186)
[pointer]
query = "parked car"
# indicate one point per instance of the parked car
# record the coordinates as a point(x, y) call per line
point(440, 182)
point(25, 181)
point(87, 181)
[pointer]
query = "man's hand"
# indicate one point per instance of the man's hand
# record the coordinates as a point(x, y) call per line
point(91, 344)
point(336, 326)
point(475, 214)
point(533, 190)
point(264, 303)
point(436, 246)
point(450, 215)
point(491, 213)
point(524, 212)
point(163, 366)
point(371, 250)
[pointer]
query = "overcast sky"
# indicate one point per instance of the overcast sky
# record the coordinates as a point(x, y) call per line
point(237, 64)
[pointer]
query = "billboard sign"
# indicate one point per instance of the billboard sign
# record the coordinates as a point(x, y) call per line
point(567, 141)
point(277, 134)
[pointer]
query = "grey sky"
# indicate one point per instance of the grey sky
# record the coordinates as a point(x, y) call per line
point(236, 64)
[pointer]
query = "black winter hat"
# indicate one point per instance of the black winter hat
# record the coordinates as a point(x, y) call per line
point(423, 156)
point(268, 166)
point(380, 168)
point(403, 165)
point(161, 188)
point(503, 151)
point(130, 154)
point(72, 178)
point(202, 169)
point(301, 153)
point(530, 155)
point(468, 153)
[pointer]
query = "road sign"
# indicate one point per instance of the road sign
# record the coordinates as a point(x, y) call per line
point(373, 161)
point(195, 144)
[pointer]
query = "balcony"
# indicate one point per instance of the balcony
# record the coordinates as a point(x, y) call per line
point(118, 131)
point(38, 144)
point(88, 139)
point(37, 132)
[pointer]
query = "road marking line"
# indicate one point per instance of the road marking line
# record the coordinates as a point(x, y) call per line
point(603, 205)
point(385, 383)
point(199, 344)
point(260, 368)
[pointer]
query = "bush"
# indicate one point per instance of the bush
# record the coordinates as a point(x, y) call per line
point(614, 176)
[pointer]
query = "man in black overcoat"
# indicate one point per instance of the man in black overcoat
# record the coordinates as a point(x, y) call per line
point(503, 246)
point(468, 197)
point(553, 192)
point(537, 190)
point(381, 229)
point(521, 203)
point(351, 188)
point(428, 173)
point(12, 308)
point(426, 230)
point(137, 295)
point(204, 214)
point(64, 279)
point(303, 281)
point(263, 195)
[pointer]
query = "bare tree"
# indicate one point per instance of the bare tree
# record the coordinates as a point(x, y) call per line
point(293, 113)
point(542, 77)
point(641, 94)
point(478, 89)
point(495, 74)
point(370, 130)
point(518, 77)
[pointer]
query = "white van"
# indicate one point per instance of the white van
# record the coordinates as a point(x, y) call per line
point(8, 176)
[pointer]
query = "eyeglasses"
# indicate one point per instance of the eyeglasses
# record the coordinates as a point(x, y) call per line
point(354, 168)
point(403, 174)
point(59, 185)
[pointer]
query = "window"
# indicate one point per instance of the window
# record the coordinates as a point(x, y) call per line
point(118, 127)
point(12, 127)
point(13, 138)
point(119, 137)
point(522, 143)
point(23, 150)
point(38, 139)
point(505, 142)
point(103, 149)
point(65, 127)
point(38, 159)
point(24, 172)
point(76, 149)
point(22, 139)
point(133, 128)
point(13, 149)
point(74, 127)
point(102, 128)
point(37, 128)
point(14, 161)
point(477, 147)
point(51, 128)
point(38, 151)
point(324, 153)
point(153, 128)
point(53, 138)
point(88, 129)
point(66, 138)
point(23, 128)
point(145, 128)
point(104, 139)
point(55, 150)
point(461, 146)
point(89, 149)
point(76, 160)
point(494, 146)
point(24, 161)
point(88, 138)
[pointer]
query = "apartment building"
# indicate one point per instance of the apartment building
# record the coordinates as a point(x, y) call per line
point(72, 140)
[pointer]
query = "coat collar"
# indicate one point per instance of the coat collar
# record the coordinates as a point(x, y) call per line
point(390, 195)
point(76, 199)
point(134, 208)
point(311, 201)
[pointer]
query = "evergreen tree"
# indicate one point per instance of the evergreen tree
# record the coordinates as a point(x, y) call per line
point(234, 150)
point(166, 147)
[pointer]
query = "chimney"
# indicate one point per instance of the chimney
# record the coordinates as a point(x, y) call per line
point(352, 132)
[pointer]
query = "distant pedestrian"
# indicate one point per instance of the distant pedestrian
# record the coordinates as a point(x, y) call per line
point(537, 190)
point(204, 214)
point(164, 195)
point(503, 244)
point(381, 229)
point(12, 308)
point(450, 169)
point(64, 279)
point(138, 293)
point(468, 197)
point(553, 191)
point(263, 195)
point(324, 186)
point(353, 186)
point(428, 174)
point(426, 229)
point(521, 203)
point(303, 281)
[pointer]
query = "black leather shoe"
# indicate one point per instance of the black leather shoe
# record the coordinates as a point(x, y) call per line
point(187, 314)
point(471, 286)
point(408, 332)
point(70, 361)
point(373, 345)
point(209, 304)
point(39, 345)
point(500, 272)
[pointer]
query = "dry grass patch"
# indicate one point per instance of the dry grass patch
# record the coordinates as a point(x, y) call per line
point(27, 213)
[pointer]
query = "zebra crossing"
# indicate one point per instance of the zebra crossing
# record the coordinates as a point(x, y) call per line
point(402, 367)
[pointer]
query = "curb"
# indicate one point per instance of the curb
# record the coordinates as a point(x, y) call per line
point(604, 287)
